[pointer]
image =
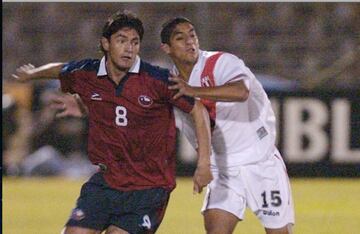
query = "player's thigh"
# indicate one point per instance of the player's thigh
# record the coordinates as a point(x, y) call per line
point(115, 230)
point(143, 211)
point(226, 192)
point(79, 230)
point(92, 207)
point(269, 192)
point(224, 204)
point(219, 221)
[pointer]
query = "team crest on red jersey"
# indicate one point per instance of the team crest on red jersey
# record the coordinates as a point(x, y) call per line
point(145, 101)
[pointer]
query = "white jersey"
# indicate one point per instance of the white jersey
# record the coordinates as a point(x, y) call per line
point(244, 132)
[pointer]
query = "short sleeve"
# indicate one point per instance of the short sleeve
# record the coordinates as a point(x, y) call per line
point(74, 73)
point(229, 68)
point(162, 84)
point(184, 103)
point(67, 77)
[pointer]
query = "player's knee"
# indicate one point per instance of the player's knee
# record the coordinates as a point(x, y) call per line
point(218, 230)
point(115, 230)
point(214, 227)
point(218, 221)
point(287, 229)
point(79, 230)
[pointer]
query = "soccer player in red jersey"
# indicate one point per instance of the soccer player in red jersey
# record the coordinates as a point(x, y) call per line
point(132, 135)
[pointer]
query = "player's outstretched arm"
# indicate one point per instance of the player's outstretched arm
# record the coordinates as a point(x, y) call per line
point(230, 92)
point(69, 105)
point(29, 72)
point(202, 175)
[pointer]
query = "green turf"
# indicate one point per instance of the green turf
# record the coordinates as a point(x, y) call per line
point(322, 206)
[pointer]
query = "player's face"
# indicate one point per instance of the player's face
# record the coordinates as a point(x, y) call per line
point(184, 44)
point(122, 48)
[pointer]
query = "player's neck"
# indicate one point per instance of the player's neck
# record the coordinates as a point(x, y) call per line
point(116, 74)
point(184, 70)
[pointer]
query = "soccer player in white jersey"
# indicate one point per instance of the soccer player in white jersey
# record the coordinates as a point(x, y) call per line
point(247, 167)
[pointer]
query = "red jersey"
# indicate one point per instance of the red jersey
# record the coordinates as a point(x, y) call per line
point(131, 125)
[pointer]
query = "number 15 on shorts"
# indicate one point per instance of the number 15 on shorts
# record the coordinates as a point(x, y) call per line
point(271, 198)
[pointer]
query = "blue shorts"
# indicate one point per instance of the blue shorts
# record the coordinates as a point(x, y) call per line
point(99, 206)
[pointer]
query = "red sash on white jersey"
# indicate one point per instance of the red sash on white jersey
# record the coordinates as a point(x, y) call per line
point(207, 79)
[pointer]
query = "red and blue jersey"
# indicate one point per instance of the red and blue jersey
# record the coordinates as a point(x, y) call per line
point(131, 125)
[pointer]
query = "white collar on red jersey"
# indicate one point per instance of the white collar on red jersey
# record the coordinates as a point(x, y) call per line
point(134, 69)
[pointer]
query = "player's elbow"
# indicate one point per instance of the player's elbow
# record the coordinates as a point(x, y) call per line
point(198, 109)
point(243, 95)
point(239, 92)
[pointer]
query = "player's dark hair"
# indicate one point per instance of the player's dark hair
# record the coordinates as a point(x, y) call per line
point(119, 20)
point(122, 19)
point(169, 26)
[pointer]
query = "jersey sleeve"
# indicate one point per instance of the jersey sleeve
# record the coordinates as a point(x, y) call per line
point(229, 68)
point(70, 75)
point(184, 103)
point(67, 77)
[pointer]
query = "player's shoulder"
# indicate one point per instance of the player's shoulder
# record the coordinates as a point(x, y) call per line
point(154, 71)
point(228, 57)
point(83, 65)
point(222, 57)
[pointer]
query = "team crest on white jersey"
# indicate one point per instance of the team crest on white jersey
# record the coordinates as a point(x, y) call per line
point(206, 82)
point(145, 101)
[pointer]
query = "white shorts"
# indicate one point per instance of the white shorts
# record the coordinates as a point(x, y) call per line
point(263, 187)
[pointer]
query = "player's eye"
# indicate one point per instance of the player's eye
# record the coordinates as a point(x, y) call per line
point(179, 38)
point(135, 43)
point(120, 40)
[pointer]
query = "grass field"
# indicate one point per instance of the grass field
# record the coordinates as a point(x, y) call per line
point(41, 206)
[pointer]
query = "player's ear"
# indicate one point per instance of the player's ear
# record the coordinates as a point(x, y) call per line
point(165, 47)
point(105, 43)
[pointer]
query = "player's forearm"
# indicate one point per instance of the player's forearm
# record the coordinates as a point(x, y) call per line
point(202, 125)
point(232, 92)
point(48, 71)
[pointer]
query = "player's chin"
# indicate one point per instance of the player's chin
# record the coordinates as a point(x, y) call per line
point(192, 56)
point(125, 65)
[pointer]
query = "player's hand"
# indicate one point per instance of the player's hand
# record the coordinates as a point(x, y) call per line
point(182, 87)
point(68, 105)
point(24, 73)
point(202, 177)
